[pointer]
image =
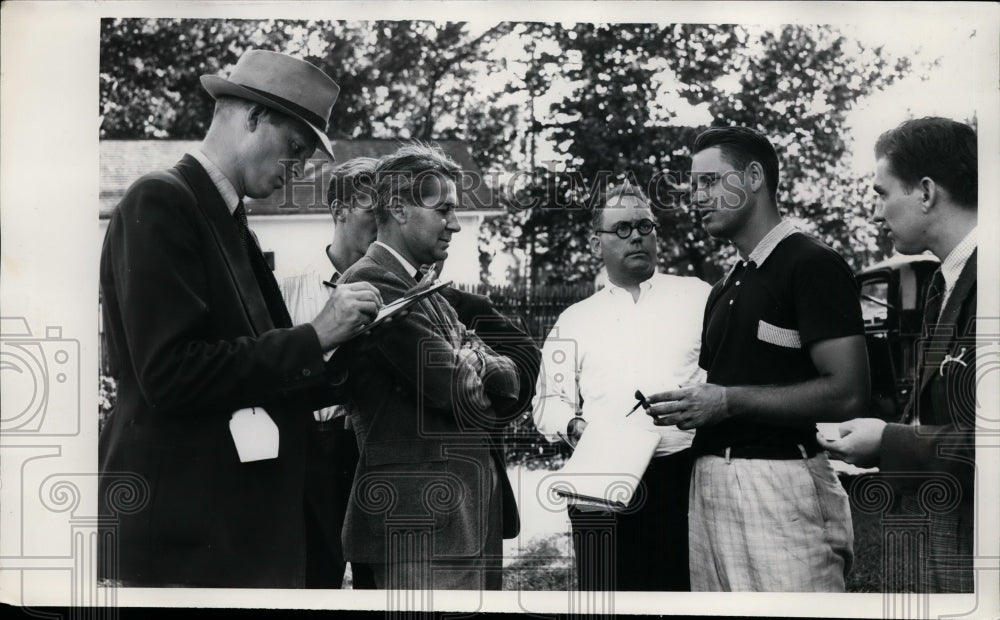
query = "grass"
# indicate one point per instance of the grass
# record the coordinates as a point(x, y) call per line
point(546, 564)
point(866, 573)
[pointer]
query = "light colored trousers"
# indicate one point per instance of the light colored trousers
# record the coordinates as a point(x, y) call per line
point(760, 525)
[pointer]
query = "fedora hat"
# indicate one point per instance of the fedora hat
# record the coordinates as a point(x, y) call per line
point(289, 85)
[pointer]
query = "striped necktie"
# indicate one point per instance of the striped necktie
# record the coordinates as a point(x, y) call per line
point(932, 304)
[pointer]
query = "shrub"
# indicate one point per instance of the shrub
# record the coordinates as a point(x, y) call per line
point(107, 395)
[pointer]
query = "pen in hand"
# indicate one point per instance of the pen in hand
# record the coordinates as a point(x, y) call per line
point(642, 403)
point(328, 283)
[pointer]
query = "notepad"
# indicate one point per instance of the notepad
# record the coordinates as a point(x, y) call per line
point(392, 309)
point(605, 469)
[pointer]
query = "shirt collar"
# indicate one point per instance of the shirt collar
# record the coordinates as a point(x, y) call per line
point(224, 185)
point(410, 269)
point(644, 286)
point(954, 263)
point(765, 246)
point(770, 241)
point(322, 267)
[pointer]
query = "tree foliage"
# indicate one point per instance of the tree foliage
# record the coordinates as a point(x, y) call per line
point(150, 70)
point(402, 79)
point(610, 101)
point(795, 83)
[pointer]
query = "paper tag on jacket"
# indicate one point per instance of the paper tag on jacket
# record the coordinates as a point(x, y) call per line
point(255, 435)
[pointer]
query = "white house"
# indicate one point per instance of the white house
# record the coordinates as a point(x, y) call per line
point(294, 225)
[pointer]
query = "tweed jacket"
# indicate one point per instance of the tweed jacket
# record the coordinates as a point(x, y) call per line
point(936, 443)
point(424, 421)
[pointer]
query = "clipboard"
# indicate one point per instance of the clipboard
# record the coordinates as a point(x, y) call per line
point(390, 310)
point(606, 467)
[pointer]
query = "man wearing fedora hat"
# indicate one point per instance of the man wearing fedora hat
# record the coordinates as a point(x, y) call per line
point(216, 388)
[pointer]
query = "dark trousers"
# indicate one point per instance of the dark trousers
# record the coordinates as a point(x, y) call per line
point(331, 457)
point(646, 547)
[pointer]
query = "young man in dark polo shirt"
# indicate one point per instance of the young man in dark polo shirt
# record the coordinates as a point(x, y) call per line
point(783, 344)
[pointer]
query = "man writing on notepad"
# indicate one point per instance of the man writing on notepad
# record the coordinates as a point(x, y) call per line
point(216, 388)
point(642, 332)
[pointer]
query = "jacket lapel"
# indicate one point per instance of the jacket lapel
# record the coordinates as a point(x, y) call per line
point(223, 228)
point(435, 306)
point(950, 316)
point(390, 263)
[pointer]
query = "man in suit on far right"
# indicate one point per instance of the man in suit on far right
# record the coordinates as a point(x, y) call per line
point(926, 179)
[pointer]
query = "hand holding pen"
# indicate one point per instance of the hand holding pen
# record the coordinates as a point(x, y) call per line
point(642, 402)
point(574, 430)
point(690, 407)
point(349, 308)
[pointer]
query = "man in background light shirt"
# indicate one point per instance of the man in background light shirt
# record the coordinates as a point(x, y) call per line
point(331, 449)
point(642, 331)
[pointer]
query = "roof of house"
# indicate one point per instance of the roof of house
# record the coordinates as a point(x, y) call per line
point(124, 161)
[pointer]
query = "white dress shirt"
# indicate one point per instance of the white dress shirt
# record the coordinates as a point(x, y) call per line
point(604, 348)
point(305, 295)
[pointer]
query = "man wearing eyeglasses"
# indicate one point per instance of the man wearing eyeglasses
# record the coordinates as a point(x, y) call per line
point(783, 344)
point(642, 331)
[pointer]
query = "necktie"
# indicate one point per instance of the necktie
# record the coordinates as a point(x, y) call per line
point(929, 357)
point(240, 215)
point(935, 295)
point(421, 272)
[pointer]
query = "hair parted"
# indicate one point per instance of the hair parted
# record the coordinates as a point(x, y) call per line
point(612, 197)
point(399, 174)
point(351, 178)
point(939, 148)
point(740, 146)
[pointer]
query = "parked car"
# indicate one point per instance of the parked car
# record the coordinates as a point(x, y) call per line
point(892, 299)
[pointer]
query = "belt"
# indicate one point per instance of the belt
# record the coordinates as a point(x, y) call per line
point(773, 453)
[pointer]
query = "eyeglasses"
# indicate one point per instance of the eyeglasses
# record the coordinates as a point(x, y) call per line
point(624, 229)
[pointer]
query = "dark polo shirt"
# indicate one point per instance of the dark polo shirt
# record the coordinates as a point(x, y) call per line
point(759, 323)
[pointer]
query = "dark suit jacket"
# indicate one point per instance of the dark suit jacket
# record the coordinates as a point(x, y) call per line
point(423, 433)
point(191, 340)
point(941, 449)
